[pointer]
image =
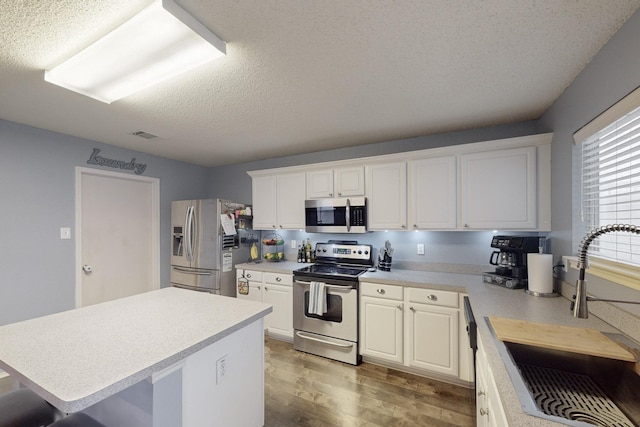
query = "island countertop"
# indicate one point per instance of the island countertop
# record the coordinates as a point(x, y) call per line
point(76, 358)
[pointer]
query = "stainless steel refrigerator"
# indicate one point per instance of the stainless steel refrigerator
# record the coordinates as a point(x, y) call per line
point(203, 255)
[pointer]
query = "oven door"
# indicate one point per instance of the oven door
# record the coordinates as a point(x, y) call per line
point(341, 319)
point(333, 335)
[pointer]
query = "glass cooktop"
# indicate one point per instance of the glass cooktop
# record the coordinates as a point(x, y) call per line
point(330, 270)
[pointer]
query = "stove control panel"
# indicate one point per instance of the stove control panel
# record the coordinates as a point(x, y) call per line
point(340, 252)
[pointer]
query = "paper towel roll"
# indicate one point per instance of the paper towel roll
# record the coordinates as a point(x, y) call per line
point(540, 273)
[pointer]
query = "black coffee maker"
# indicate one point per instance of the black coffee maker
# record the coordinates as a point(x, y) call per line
point(511, 260)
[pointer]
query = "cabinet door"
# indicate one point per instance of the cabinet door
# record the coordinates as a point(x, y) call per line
point(433, 193)
point(432, 338)
point(320, 184)
point(280, 320)
point(291, 190)
point(387, 196)
point(264, 199)
point(381, 328)
point(499, 189)
point(349, 181)
point(489, 409)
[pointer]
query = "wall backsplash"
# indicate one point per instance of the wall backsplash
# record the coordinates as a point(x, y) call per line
point(444, 250)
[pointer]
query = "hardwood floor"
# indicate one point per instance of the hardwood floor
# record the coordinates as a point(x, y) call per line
point(307, 390)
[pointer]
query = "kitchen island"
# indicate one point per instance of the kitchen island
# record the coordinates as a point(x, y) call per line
point(169, 357)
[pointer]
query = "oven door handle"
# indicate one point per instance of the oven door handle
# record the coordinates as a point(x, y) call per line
point(325, 285)
point(307, 337)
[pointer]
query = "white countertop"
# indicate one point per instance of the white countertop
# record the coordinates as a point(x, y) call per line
point(284, 267)
point(76, 358)
point(491, 300)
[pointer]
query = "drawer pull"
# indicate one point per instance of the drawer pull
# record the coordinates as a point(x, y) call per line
point(380, 291)
point(484, 411)
point(278, 279)
point(432, 297)
point(399, 307)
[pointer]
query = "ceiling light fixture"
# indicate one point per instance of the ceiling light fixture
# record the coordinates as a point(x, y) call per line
point(160, 42)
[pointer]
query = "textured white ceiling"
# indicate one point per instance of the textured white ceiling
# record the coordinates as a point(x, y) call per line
point(303, 76)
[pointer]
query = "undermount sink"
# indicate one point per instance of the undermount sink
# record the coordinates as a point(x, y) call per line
point(575, 389)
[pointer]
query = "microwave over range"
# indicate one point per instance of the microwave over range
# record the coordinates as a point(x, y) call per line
point(338, 215)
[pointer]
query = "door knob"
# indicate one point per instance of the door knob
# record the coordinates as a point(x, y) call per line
point(87, 268)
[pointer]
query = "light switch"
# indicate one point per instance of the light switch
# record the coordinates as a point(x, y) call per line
point(420, 248)
point(65, 233)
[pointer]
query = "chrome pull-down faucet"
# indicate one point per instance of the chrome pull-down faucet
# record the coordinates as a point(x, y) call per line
point(580, 298)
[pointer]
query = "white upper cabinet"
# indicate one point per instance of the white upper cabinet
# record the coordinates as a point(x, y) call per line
point(264, 191)
point(340, 182)
point(433, 193)
point(278, 201)
point(491, 185)
point(499, 189)
point(349, 181)
point(387, 196)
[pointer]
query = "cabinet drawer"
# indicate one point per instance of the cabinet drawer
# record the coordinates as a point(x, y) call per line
point(433, 297)
point(278, 278)
point(381, 291)
point(252, 275)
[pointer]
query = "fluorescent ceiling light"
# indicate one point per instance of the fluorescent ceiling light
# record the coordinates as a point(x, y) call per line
point(160, 42)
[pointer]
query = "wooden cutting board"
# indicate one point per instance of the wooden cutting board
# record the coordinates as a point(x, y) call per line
point(566, 338)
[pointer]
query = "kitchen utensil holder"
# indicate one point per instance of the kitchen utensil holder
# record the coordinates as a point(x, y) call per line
point(385, 264)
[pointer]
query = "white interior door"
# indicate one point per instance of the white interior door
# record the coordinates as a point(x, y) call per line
point(117, 238)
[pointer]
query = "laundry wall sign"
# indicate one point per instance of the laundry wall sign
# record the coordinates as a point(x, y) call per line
point(95, 159)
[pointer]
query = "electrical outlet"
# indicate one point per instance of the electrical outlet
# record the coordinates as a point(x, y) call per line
point(420, 248)
point(221, 369)
point(65, 233)
point(294, 244)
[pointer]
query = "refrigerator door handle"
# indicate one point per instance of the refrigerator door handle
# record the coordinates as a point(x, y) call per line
point(190, 271)
point(189, 234)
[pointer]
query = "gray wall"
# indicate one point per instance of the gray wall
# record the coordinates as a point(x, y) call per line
point(37, 191)
point(611, 75)
point(234, 180)
point(37, 172)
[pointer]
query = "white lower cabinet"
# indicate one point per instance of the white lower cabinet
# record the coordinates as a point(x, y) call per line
point(416, 327)
point(275, 289)
point(381, 322)
point(432, 330)
point(489, 410)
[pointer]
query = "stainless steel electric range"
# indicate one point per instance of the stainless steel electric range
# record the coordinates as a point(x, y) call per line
point(330, 328)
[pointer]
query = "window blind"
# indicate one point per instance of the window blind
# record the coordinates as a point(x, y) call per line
point(611, 186)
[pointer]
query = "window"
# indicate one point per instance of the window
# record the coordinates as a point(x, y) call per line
point(610, 148)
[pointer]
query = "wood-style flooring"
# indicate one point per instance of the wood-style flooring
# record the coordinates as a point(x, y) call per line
point(307, 390)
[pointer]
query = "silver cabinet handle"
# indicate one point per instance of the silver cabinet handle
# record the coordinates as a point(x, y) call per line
point(248, 275)
point(399, 307)
point(380, 291)
point(412, 309)
point(266, 289)
point(484, 411)
point(432, 297)
point(278, 279)
point(87, 268)
point(481, 393)
point(330, 194)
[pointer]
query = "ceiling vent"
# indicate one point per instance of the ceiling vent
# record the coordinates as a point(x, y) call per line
point(145, 135)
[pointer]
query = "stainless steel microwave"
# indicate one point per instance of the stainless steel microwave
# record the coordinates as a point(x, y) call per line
point(339, 215)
